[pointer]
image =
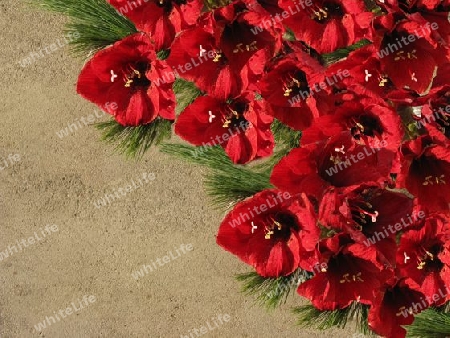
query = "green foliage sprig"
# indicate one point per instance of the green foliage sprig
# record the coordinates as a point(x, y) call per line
point(271, 292)
point(96, 23)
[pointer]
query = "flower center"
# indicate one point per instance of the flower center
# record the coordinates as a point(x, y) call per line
point(134, 76)
point(349, 278)
point(235, 119)
point(432, 180)
point(428, 259)
point(326, 11)
point(365, 126)
point(384, 81)
point(219, 57)
point(279, 226)
point(295, 83)
point(403, 55)
point(241, 48)
point(363, 214)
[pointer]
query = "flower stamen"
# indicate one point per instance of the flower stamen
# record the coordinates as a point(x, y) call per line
point(354, 278)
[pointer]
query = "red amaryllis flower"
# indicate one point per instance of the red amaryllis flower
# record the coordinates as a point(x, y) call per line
point(352, 274)
point(424, 256)
point(370, 215)
point(394, 307)
point(408, 53)
point(327, 25)
point(287, 86)
point(162, 19)
point(425, 173)
point(367, 77)
point(338, 162)
point(123, 74)
point(431, 11)
point(220, 57)
point(240, 126)
point(435, 117)
point(369, 120)
point(271, 231)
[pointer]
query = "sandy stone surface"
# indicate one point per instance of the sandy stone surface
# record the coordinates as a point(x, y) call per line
point(47, 180)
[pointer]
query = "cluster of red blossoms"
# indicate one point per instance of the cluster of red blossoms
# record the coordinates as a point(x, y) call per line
point(368, 187)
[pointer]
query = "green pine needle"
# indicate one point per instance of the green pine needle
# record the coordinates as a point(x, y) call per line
point(133, 142)
point(285, 135)
point(207, 156)
point(289, 35)
point(185, 92)
point(96, 21)
point(234, 183)
point(431, 323)
point(211, 4)
point(227, 183)
point(163, 54)
point(339, 54)
point(310, 317)
point(271, 292)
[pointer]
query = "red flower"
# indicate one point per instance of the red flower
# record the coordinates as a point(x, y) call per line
point(327, 25)
point(162, 19)
point(352, 274)
point(287, 86)
point(426, 172)
point(271, 231)
point(435, 117)
point(370, 122)
point(123, 74)
point(221, 57)
point(424, 256)
point(196, 57)
point(240, 126)
point(395, 307)
point(408, 53)
point(338, 162)
point(370, 215)
point(433, 11)
point(367, 76)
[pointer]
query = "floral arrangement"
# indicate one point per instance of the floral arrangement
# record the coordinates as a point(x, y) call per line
point(325, 125)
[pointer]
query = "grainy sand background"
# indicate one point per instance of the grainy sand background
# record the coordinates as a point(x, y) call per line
point(95, 250)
